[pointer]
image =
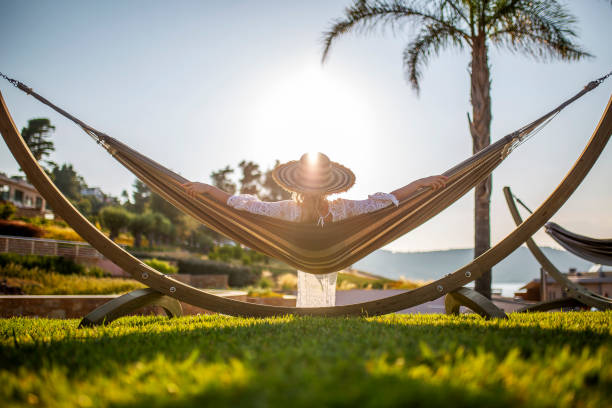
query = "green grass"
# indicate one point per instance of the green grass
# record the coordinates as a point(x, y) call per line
point(541, 360)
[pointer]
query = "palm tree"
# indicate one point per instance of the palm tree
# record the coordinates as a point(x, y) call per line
point(540, 29)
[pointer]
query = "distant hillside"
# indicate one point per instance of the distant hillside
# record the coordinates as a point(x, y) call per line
point(519, 267)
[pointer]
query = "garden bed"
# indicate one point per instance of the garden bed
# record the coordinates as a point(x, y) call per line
point(543, 359)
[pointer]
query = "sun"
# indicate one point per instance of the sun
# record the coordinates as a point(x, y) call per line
point(311, 110)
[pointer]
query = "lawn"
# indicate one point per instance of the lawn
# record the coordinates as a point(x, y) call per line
point(542, 360)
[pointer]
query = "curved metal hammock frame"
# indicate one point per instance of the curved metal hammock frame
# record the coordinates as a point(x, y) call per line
point(168, 286)
point(579, 294)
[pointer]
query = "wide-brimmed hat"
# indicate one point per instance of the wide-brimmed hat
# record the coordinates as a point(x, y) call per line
point(314, 173)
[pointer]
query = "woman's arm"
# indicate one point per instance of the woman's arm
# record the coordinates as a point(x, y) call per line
point(194, 188)
point(435, 182)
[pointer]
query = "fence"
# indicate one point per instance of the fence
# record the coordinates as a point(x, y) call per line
point(40, 246)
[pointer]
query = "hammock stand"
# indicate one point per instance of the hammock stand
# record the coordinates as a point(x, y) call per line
point(577, 295)
point(169, 287)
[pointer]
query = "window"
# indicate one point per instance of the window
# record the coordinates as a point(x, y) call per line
point(28, 201)
point(5, 192)
point(39, 202)
point(18, 196)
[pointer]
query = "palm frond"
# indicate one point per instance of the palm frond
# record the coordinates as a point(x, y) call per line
point(542, 29)
point(430, 42)
point(364, 16)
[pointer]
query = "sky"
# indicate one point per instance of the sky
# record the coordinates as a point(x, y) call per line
point(198, 85)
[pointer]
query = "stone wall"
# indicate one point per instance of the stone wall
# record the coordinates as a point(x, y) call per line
point(77, 306)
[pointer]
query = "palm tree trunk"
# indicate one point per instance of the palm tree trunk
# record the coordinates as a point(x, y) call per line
point(480, 129)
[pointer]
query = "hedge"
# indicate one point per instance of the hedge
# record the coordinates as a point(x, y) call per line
point(57, 264)
point(237, 275)
point(20, 229)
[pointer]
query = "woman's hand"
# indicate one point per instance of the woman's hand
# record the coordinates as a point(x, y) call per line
point(435, 182)
point(194, 188)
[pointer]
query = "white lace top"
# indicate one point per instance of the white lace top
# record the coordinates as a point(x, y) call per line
point(313, 290)
point(290, 210)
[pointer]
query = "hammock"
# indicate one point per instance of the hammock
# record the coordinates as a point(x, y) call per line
point(595, 250)
point(167, 286)
point(306, 246)
point(598, 251)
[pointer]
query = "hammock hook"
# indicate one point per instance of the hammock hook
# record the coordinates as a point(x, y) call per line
point(17, 84)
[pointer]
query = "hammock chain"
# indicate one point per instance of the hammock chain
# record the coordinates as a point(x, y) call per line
point(11, 80)
point(17, 84)
point(518, 200)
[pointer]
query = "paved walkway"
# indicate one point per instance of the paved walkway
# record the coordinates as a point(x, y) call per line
point(347, 297)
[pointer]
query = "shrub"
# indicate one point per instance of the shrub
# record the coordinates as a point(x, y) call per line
point(263, 293)
point(61, 233)
point(161, 266)
point(246, 256)
point(115, 219)
point(96, 272)
point(225, 253)
point(265, 283)
point(37, 281)
point(57, 264)
point(19, 229)
point(246, 260)
point(287, 281)
point(7, 210)
point(237, 275)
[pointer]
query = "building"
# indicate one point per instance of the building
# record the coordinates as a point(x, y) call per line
point(95, 192)
point(24, 196)
point(597, 280)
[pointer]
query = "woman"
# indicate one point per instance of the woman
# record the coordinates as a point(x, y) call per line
point(311, 180)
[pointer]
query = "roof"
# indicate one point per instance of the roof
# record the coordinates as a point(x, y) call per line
point(16, 182)
point(578, 277)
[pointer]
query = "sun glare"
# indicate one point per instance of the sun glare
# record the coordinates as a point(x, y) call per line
point(310, 110)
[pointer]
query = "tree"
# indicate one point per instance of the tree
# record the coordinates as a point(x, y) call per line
point(37, 136)
point(221, 180)
point(85, 207)
point(161, 227)
point(272, 191)
point(540, 29)
point(160, 205)
point(68, 181)
point(250, 182)
point(115, 219)
point(139, 225)
point(141, 196)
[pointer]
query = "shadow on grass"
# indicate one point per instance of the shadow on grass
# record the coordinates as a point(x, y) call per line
point(218, 338)
point(305, 362)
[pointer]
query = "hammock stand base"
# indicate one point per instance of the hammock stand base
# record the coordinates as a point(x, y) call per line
point(188, 294)
point(573, 290)
point(474, 301)
point(130, 302)
point(563, 303)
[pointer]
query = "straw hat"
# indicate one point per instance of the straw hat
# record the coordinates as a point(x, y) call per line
point(314, 173)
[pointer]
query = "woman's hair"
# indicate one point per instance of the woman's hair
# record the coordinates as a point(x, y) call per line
point(310, 204)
